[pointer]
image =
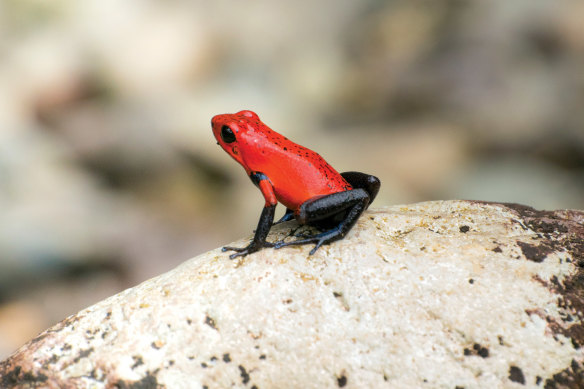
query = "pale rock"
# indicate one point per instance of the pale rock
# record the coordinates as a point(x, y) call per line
point(440, 295)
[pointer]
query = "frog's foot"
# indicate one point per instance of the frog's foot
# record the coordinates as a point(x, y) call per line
point(320, 239)
point(239, 251)
point(243, 251)
point(347, 206)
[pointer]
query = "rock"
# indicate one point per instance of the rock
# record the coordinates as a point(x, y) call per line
point(438, 294)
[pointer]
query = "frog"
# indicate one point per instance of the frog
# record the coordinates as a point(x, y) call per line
point(312, 191)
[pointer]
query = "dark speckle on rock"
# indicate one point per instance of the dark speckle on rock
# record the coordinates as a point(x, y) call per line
point(244, 375)
point(534, 253)
point(226, 357)
point(210, 322)
point(516, 375)
point(342, 381)
point(538, 380)
point(547, 227)
point(83, 354)
point(54, 358)
point(148, 382)
point(137, 361)
point(464, 229)
point(10, 377)
point(570, 377)
point(477, 350)
point(481, 351)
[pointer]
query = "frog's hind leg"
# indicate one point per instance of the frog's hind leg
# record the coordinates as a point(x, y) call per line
point(349, 203)
point(289, 215)
point(365, 181)
point(357, 180)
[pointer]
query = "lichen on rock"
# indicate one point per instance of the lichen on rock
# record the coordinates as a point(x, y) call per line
point(436, 294)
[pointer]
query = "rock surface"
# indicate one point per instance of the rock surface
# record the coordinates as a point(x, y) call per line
point(438, 294)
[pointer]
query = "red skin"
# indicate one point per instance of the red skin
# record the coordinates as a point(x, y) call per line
point(296, 173)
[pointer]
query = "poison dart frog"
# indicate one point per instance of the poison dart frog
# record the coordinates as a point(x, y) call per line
point(313, 192)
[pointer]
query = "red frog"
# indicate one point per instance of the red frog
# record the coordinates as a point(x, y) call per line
point(313, 192)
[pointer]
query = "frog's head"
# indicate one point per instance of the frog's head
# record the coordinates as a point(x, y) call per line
point(232, 132)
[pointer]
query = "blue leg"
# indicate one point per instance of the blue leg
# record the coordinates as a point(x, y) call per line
point(350, 204)
point(289, 215)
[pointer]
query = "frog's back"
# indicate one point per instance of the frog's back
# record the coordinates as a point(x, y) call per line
point(296, 172)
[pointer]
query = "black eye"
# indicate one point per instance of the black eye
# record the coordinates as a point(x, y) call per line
point(227, 135)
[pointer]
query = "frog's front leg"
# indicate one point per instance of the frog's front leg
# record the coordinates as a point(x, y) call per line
point(351, 203)
point(266, 218)
point(259, 239)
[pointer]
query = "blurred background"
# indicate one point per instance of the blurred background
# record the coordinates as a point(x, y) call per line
point(109, 173)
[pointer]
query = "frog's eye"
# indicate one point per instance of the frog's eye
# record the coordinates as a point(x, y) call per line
point(227, 135)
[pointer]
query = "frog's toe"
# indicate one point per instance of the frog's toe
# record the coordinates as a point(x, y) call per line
point(243, 251)
point(305, 240)
point(278, 244)
point(318, 244)
point(239, 251)
point(231, 248)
